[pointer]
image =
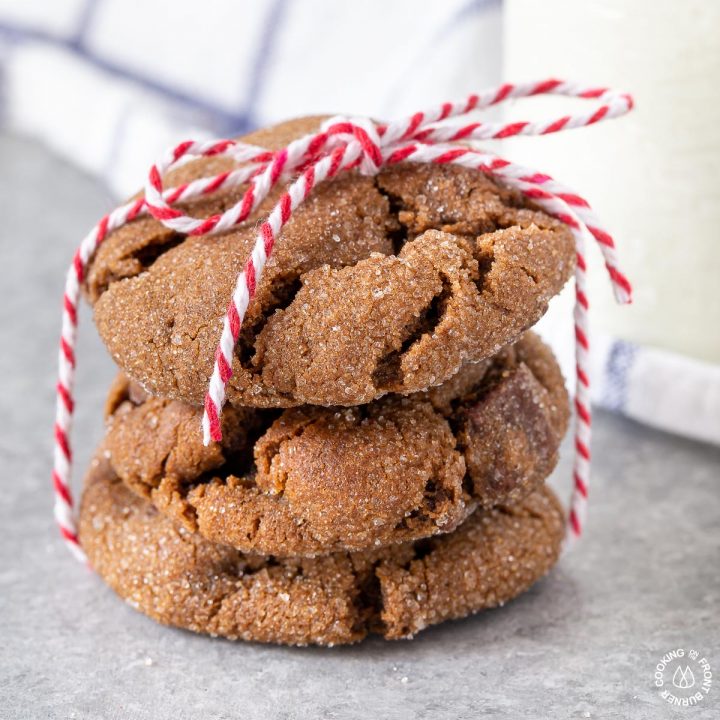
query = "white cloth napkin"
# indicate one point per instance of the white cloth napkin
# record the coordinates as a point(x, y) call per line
point(662, 389)
point(111, 84)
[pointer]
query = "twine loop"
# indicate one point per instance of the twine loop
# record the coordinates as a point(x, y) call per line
point(341, 145)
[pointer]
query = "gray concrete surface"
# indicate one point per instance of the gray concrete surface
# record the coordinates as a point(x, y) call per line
point(582, 644)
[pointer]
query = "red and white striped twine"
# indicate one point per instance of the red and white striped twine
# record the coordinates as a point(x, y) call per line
point(344, 144)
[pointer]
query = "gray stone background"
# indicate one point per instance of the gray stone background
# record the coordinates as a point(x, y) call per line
point(583, 643)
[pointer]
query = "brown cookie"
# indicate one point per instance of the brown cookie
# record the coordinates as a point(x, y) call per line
point(311, 480)
point(377, 285)
point(178, 578)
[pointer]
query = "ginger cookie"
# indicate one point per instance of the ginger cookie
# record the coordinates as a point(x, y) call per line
point(377, 285)
point(180, 579)
point(308, 481)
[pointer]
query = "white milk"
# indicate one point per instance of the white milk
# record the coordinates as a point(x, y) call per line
point(652, 176)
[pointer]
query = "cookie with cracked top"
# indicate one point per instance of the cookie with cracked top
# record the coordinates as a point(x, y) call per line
point(377, 285)
point(311, 480)
point(180, 579)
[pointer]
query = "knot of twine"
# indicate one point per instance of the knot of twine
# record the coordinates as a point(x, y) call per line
point(343, 144)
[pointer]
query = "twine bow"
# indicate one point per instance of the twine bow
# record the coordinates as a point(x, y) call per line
point(344, 144)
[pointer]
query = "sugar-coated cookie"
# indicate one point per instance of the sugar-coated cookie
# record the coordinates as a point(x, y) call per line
point(180, 579)
point(312, 480)
point(377, 285)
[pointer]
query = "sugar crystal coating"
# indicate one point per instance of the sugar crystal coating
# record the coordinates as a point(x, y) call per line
point(376, 285)
point(180, 579)
point(312, 480)
point(389, 428)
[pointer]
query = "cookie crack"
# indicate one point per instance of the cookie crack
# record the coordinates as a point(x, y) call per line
point(135, 262)
point(284, 291)
point(159, 353)
point(485, 257)
point(368, 601)
point(272, 450)
point(388, 371)
point(149, 254)
point(484, 253)
point(398, 233)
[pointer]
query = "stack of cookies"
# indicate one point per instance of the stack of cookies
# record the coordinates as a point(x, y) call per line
point(390, 424)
